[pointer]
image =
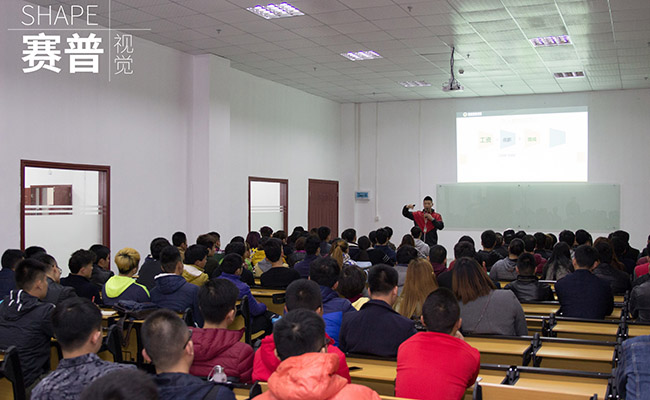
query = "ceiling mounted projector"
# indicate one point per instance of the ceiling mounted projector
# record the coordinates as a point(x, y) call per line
point(452, 85)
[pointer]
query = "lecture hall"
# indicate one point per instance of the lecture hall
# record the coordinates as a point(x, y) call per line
point(324, 199)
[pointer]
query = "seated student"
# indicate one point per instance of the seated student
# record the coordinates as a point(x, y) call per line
point(376, 329)
point(355, 252)
point(215, 344)
point(503, 240)
point(81, 269)
point(632, 380)
point(179, 240)
point(582, 294)
point(77, 327)
point(352, 283)
point(299, 253)
point(25, 320)
point(151, 265)
point(102, 265)
point(529, 247)
point(461, 249)
point(422, 248)
point(196, 256)
point(405, 255)
point(307, 370)
point(420, 281)
point(123, 286)
point(424, 366)
point(168, 345)
point(527, 288)
point(312, 250)
point(172, 291)
point(438, 259)
point(559, 264)
point(231, 268)
point(301, 294)
point(377, 256)
point(487, 255)
point(619, 281)
point(382, 245)
point(324, 233)
point(506, 269)
point(540, 245)
point(325, 271)
point(56, 292)
point(122, 384)
point(484, 309)
point(640, 300)
point(279, 276)
point(209, 242)
point(10, 259)
point(247, 275)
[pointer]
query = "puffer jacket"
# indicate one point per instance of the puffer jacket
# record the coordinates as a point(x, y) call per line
point(222, 347)
point(312, 376)
point(25, 322)
point(174, 293)
point(266, 362)
point(527, 289)
point(194, 275)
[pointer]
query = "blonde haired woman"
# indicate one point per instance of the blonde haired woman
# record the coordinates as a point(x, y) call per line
point(339, 252)
point(420, 282)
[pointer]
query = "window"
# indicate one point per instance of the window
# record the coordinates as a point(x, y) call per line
point(64, 207)
point(267, 203)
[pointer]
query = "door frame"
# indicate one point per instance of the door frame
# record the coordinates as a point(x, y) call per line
point(104, 192)
point(284, 198)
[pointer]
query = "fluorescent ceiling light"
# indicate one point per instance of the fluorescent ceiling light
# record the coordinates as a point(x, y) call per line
point(271, 10)
point(551, 41)
point(412, 84)
point(577, 74)
point(361, 55)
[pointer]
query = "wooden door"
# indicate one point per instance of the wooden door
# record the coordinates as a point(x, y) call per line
point(324, 205)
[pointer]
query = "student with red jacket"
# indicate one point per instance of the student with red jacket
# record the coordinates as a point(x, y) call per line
point(424, 370)
point(301, 294)
point(307, 371)
point(215, 344)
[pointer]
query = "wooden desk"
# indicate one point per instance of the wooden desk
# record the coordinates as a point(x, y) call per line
point(586, 330)
point(638, 330)
point(619, 299)
point(540, 309)
point(266, 296)
point(563, 384)
point(500, 351)
point(579, 357)
point(378, 375)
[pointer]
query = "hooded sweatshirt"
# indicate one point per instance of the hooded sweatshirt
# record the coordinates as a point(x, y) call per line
point(266, 362)
point(194, 275)
point(312, 376)
point(222, 347)
point(504, 270)
point(173, 292)
point(25, 323)
point(123, 288)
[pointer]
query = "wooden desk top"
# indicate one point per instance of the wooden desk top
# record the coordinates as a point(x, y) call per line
point(540, 309)
point(261, 292)
point(587, 352)
point(498, 346)
point(372, 371)
point(638, 330)
point(563, 384)
point(619, 299)
point(594, 328)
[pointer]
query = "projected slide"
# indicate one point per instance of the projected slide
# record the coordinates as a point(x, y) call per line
point(545, 145)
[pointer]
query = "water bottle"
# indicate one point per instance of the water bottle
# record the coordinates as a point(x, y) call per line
point(218, 375)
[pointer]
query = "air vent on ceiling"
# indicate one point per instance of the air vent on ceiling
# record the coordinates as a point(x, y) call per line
point(577, 74)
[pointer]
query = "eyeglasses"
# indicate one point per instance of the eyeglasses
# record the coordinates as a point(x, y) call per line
point(188, 339)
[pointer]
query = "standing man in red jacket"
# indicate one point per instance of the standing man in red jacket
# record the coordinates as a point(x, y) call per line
point(428, 220)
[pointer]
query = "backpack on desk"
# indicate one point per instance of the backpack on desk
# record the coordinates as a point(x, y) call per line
point(131, 311)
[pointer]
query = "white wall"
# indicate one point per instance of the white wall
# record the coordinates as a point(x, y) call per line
point(182, 135)
point(406, 148)
point(137, 124)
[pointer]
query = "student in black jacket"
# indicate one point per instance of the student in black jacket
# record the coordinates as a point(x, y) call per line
point(25, 320)
point(619, 281)
point(376, 329)
point(151, 265)
point(279, 276)
point(81, 269)
point(582, 294)
point(527, 288)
